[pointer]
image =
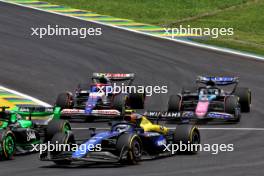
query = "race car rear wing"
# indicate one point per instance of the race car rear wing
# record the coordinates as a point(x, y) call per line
point(99, 113)
point(34, 109)
point(219, 81)
point(37, 112)
point(115, 76)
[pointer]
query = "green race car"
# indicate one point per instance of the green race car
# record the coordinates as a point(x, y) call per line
point(23, 127)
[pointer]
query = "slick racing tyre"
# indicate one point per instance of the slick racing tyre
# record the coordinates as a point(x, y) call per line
point(136, 100)
point(244, 95)
point(57, 126)
point(119, 103)
point(62, 138)
point(7, 145)
point(187, 134)
point(232, 107)
point(129, 147)
point(174, 104)
point(64, 100)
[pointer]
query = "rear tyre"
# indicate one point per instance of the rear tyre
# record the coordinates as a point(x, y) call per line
point(232, 107)
point(129, 147)
point(7, 145)
point(244, 95)
point(64, 100)
point(187, 134)
point(57, 126)
point(62, 138)
point(119, 103)
point(136, 100)
point(174, 104)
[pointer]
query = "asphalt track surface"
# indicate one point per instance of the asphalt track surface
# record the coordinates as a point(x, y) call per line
point(44, 67)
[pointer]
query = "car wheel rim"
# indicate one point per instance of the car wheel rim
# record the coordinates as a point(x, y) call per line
point(136, 149)
point(9, 145)
point(66, 128)
point(195, 138)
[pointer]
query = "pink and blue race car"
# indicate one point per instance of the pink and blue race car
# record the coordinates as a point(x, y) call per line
point(209, 101)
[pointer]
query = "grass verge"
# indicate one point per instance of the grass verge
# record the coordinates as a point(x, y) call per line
point(245, 16)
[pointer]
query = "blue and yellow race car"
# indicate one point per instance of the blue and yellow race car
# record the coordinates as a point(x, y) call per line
point(127, 142)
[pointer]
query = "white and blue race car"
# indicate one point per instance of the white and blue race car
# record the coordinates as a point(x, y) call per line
point(99, 98)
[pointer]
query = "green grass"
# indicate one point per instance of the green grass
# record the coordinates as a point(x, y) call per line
point(246, 16)
point(248, 24)
point(149, 11)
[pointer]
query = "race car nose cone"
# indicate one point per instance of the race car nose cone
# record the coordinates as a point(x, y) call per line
point(88, 110)
point(202, 108)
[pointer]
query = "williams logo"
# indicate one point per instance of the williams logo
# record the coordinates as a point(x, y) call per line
point(163, 114)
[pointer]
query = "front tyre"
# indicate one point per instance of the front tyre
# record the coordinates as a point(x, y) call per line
point(188, 135)
point(232, 107)
point(62, 138)
point(174, 104)
point(129, 147)
point(7, 145)
point(57, 126)
point(244, 95)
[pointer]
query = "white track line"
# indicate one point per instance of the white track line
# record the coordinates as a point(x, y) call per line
point(224, 129)
point(237, 129)
point(26, 96)
point(190, 43)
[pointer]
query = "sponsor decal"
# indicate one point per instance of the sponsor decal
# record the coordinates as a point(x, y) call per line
point(106, 112)
point(163, 114)
point(188, 114)
point(114, 75)
point(161, 142)
point(219, 115)
point(72, 111)
point(151, 134)
point(31, 135)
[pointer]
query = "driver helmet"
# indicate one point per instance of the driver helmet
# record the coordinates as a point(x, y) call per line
point(134, 117)
point(212, 91)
